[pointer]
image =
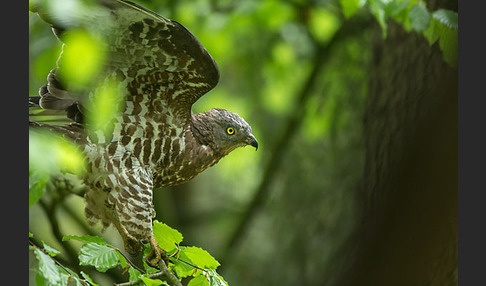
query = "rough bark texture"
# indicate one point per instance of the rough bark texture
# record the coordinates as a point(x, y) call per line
point(409, 227)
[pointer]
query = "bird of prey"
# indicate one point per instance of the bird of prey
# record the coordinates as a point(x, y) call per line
point(154, 140)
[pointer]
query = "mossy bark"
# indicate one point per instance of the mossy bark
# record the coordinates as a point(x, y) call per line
point(408, 234)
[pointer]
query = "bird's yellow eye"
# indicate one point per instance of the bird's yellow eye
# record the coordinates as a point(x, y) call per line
point(230, 130)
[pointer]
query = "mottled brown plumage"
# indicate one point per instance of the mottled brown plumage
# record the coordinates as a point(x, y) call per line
point(160, 70)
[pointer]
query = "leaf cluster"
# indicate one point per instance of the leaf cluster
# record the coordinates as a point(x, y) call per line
point(50, 272)
point(440, 25)
point(185, 261)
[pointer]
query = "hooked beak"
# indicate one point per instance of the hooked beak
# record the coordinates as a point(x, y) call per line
point(253, 142)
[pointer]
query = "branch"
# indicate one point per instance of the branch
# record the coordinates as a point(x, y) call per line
point(162, 274)
point(349, 28)
point(170, 277)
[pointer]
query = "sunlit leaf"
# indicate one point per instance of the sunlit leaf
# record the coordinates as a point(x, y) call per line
point(215, 279)
point(134, 274)
point(47, 267)
point(122, 260)
point(273, 13)
point(446, 17)
point(443, 27)
point(82, 58)
point(49, 152)
point(40, 280)
point(323, 24)
point(102, 257)
point(151, 282)
point(89, 279)
point(180, 268)
point(350, 7)
point(198, 281)
point(50, 250)
point(200, 257)
point(167, 237)
point(103, 108)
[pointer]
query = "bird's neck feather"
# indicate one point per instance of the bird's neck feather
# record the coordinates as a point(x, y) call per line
point(203, 132)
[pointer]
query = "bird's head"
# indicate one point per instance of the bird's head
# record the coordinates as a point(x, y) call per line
point(224, 131)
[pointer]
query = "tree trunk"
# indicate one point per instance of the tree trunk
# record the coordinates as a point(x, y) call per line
point(408, 234)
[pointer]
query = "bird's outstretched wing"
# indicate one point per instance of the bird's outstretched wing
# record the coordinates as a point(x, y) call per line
point(158, 65)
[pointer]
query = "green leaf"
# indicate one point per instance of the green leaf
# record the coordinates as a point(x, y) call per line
point(198, 281)
point(87, 278)
point(323, 24)
point(40, 280)
point(50, 250)
point(167, 237)
point(446, 17)
point(200, 257)
point(216, 280)
point(151, 282)
point(122, 259)
point(433, 31)
point(67, 278)
point(86, 238)
point(37, 185)
point(448, 43)
point(350, 7)
point(134, 274)
point(378, 9)
point(82, 57)
point(419, 17)
point(47, 267)
point(443, 27)
point(102, 257)
point(104, 107)
point(50, 152)
point(396, 8)
point(180, 268)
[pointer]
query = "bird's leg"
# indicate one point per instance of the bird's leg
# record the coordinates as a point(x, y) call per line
point(156, 251)
point(130, 243)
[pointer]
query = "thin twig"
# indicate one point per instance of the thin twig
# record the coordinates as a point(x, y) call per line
point(128, 260)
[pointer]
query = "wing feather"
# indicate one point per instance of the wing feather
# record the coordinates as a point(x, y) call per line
point(159, 65)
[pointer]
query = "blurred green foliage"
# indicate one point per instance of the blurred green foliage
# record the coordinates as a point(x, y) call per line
point(266, 51)
point(49, 153)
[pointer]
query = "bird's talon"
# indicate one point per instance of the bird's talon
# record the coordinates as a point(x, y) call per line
point(156, 251)
point(153, 262)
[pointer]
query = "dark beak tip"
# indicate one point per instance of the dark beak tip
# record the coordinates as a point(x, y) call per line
point(254, 143)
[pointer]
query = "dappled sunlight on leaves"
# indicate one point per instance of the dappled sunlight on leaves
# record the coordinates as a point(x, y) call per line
point(51, 153)
point(266, 51)
point(103, 107)
point(82, 58)
point(323, 24)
